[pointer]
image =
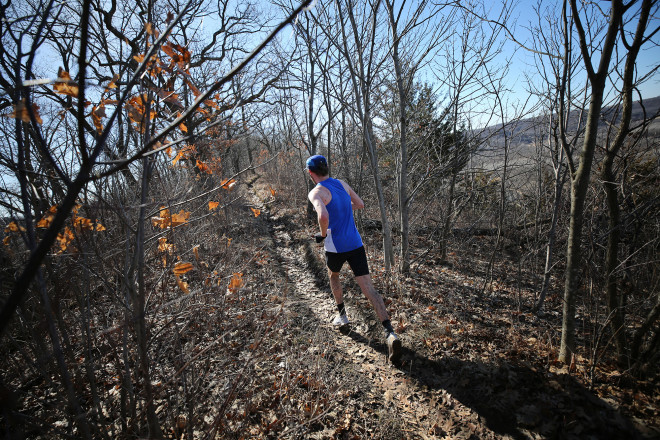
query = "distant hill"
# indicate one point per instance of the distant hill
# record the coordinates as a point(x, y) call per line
point(524, 131)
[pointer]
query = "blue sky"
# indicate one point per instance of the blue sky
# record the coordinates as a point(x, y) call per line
point(647, 60)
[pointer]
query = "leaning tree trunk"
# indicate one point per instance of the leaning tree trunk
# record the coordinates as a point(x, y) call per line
point(361, 82)
point(616, 301)
point(579, 187)
point(386, 228)
point(580, 179)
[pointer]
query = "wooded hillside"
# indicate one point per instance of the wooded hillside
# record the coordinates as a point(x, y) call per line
point(159, 277)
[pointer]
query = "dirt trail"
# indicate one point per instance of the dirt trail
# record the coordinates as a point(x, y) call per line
point(471, 389)
point(421, 412)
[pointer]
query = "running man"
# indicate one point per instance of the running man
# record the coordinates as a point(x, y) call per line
point(334, 202)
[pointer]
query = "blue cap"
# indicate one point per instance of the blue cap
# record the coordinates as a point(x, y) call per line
point(316, 161)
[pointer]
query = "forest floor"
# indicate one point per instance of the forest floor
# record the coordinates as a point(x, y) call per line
point(256, 356)
point(475, 365)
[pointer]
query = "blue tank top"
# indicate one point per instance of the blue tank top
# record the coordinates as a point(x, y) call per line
point(343, 235)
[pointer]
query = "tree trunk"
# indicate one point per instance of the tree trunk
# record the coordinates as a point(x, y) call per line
point(614, 303)
point(404, 203)
point(387, 229)
point(361, 89)
point(580, 180)
point(446, 226)
point(552, 233)
point(311, 214)
point(579, 188)
point(139, 311)
point(638, 353)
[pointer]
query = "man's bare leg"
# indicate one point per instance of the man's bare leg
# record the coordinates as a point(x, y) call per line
point(335, 286)
point(373, 296)
point(393, 342)
point(341, 320)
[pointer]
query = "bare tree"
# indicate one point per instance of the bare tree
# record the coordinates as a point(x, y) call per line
point(580, 169)
point(363, 73)
point(469, 74)
point(616, 301)
point(405, 46)
point(564, 126)
point(132, 67)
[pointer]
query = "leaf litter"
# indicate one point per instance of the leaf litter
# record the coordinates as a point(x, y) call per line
point(248, 351)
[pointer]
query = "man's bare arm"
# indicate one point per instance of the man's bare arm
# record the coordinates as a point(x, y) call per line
point(356, 201)
point(321, 211)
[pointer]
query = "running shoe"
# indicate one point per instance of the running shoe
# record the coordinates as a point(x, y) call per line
point(393, 348)
point(340, 321)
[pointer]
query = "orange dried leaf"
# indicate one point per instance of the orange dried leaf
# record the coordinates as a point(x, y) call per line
point(82, 224)
point(137, 110)
point(185, 152)
point(183, 127)
point(159, 222)
point(14, 227)
point(181, 268)
point(178, 157)
point(182, 284)
point(180, 218)
point(169, 51)
point(97, 114)
point(164, 246)
point(236, 281)
point(47, 219)
point(212, 104)
point(256, 212)
point(113, 83)
point(228, 183)
point(272, 191)
point(65, 238)
point(21, 112)
point(64, 85)
point(213, 205)
point(196, 252)
point(203, 167)
point(193, 89)
point(163, 220)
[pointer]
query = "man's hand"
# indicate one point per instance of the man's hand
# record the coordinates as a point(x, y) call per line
point(319, 238)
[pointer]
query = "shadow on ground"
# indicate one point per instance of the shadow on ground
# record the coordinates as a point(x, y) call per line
point(514, 400)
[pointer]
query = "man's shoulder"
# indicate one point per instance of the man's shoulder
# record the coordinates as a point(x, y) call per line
point(317, 191)
point(320, 192)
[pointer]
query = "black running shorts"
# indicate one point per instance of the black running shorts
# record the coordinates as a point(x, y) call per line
point(356, 258)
